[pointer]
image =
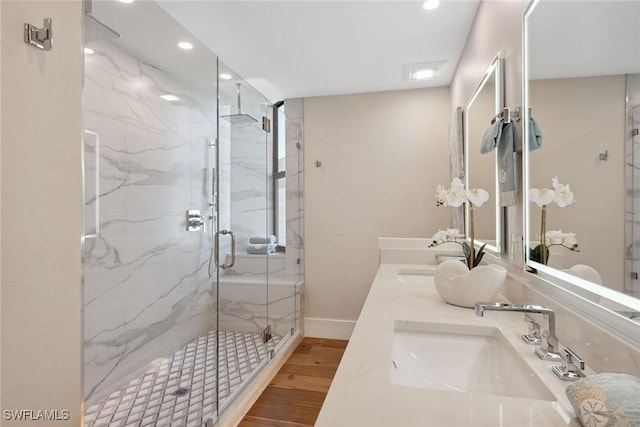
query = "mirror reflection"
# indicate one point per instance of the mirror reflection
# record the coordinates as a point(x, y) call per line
point(579, 74)
point(480, 154)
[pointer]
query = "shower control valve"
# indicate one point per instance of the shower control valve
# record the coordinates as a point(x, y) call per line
point(195, 220)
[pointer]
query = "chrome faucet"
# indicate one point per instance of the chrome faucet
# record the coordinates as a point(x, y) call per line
point(549, 348)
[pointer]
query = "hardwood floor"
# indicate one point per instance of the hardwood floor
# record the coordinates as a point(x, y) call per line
point(295, 395)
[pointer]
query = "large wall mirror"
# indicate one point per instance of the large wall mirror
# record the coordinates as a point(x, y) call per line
point(582, 61)
point(480, 114)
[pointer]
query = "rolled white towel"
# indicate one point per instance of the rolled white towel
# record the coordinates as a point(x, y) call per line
point(260, 249)
point(262, 240)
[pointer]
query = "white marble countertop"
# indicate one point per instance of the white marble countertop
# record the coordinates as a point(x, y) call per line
point(362, 393)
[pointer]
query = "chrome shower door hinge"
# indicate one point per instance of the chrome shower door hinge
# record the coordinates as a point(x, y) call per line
point(266, 333)
point(266, 124)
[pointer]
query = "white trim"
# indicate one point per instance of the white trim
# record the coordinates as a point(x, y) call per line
point(328, 328)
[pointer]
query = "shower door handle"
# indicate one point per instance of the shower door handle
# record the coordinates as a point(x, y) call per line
point(233, 248)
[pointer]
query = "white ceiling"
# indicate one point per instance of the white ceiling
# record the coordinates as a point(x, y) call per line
point(302, 48)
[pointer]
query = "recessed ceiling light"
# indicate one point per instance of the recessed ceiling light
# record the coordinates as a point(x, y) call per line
point(431, 4)
point(185, 45)
point(424, 74)
point(125, 1)
point(422, 71)
point(169, 97)
point(225, 76)
point(88, 51)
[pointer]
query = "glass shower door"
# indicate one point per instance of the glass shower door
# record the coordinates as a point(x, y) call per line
point(242, 234)
point(285, 219)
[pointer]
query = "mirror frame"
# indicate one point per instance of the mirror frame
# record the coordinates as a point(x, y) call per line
point(553, 277)
point(495, 70)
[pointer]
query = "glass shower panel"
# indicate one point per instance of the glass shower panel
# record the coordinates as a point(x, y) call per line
point(284, 265)
point(149, 309)
point(243, 209)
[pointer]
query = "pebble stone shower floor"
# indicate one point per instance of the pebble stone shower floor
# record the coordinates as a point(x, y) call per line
point(181, 390)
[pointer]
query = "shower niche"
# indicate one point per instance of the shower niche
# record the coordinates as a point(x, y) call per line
point(178, 323)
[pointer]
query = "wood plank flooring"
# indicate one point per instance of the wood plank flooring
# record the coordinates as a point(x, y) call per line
point(295, 395)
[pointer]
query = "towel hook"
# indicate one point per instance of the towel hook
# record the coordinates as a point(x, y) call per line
point(604, 156)
point(39, 37)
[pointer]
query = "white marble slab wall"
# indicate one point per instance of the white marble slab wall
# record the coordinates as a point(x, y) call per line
point(147, 291)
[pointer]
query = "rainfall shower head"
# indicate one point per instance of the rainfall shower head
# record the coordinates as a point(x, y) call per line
point(239, 118)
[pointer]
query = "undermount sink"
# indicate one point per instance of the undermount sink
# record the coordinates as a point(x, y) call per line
point(422, 274)
point(465, 358)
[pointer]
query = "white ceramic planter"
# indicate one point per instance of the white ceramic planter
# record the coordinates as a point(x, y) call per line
point(458, 285)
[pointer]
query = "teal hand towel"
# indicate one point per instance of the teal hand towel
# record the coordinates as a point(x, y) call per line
point(535, 136)
point(506, 165)
point(491, 136)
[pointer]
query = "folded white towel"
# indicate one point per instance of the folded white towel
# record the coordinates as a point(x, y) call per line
point(261, 249)
point(261, 240)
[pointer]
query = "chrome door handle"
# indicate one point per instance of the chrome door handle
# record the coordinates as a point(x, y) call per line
point(233, 248)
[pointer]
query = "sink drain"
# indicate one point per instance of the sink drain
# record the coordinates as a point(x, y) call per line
point(182, 391)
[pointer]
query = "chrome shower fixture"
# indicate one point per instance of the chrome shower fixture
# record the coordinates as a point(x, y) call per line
point(239, 118)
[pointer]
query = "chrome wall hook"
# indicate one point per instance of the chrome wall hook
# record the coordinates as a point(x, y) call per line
point(41, 38)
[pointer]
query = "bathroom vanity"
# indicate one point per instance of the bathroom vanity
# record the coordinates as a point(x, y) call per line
point(414, 360)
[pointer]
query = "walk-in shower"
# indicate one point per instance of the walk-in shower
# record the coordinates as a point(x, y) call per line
point(170, 336)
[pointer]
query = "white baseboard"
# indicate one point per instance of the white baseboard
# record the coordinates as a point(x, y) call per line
point(328, 328)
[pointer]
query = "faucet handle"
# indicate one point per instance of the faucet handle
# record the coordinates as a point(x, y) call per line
point(547, 351)
point(533, 336)
point(572, 366)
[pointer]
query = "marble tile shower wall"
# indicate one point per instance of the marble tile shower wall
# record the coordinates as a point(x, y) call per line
point(146, 287)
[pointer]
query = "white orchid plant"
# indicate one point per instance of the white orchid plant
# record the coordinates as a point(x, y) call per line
point(562, 196)
point(456, 196)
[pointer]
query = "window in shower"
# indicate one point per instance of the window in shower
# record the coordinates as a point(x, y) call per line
point(279, 192)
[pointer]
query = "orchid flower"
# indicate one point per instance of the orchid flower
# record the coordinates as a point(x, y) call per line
point(477, 196)
point(456, 195)
point(563, 196)
point(541, 196)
